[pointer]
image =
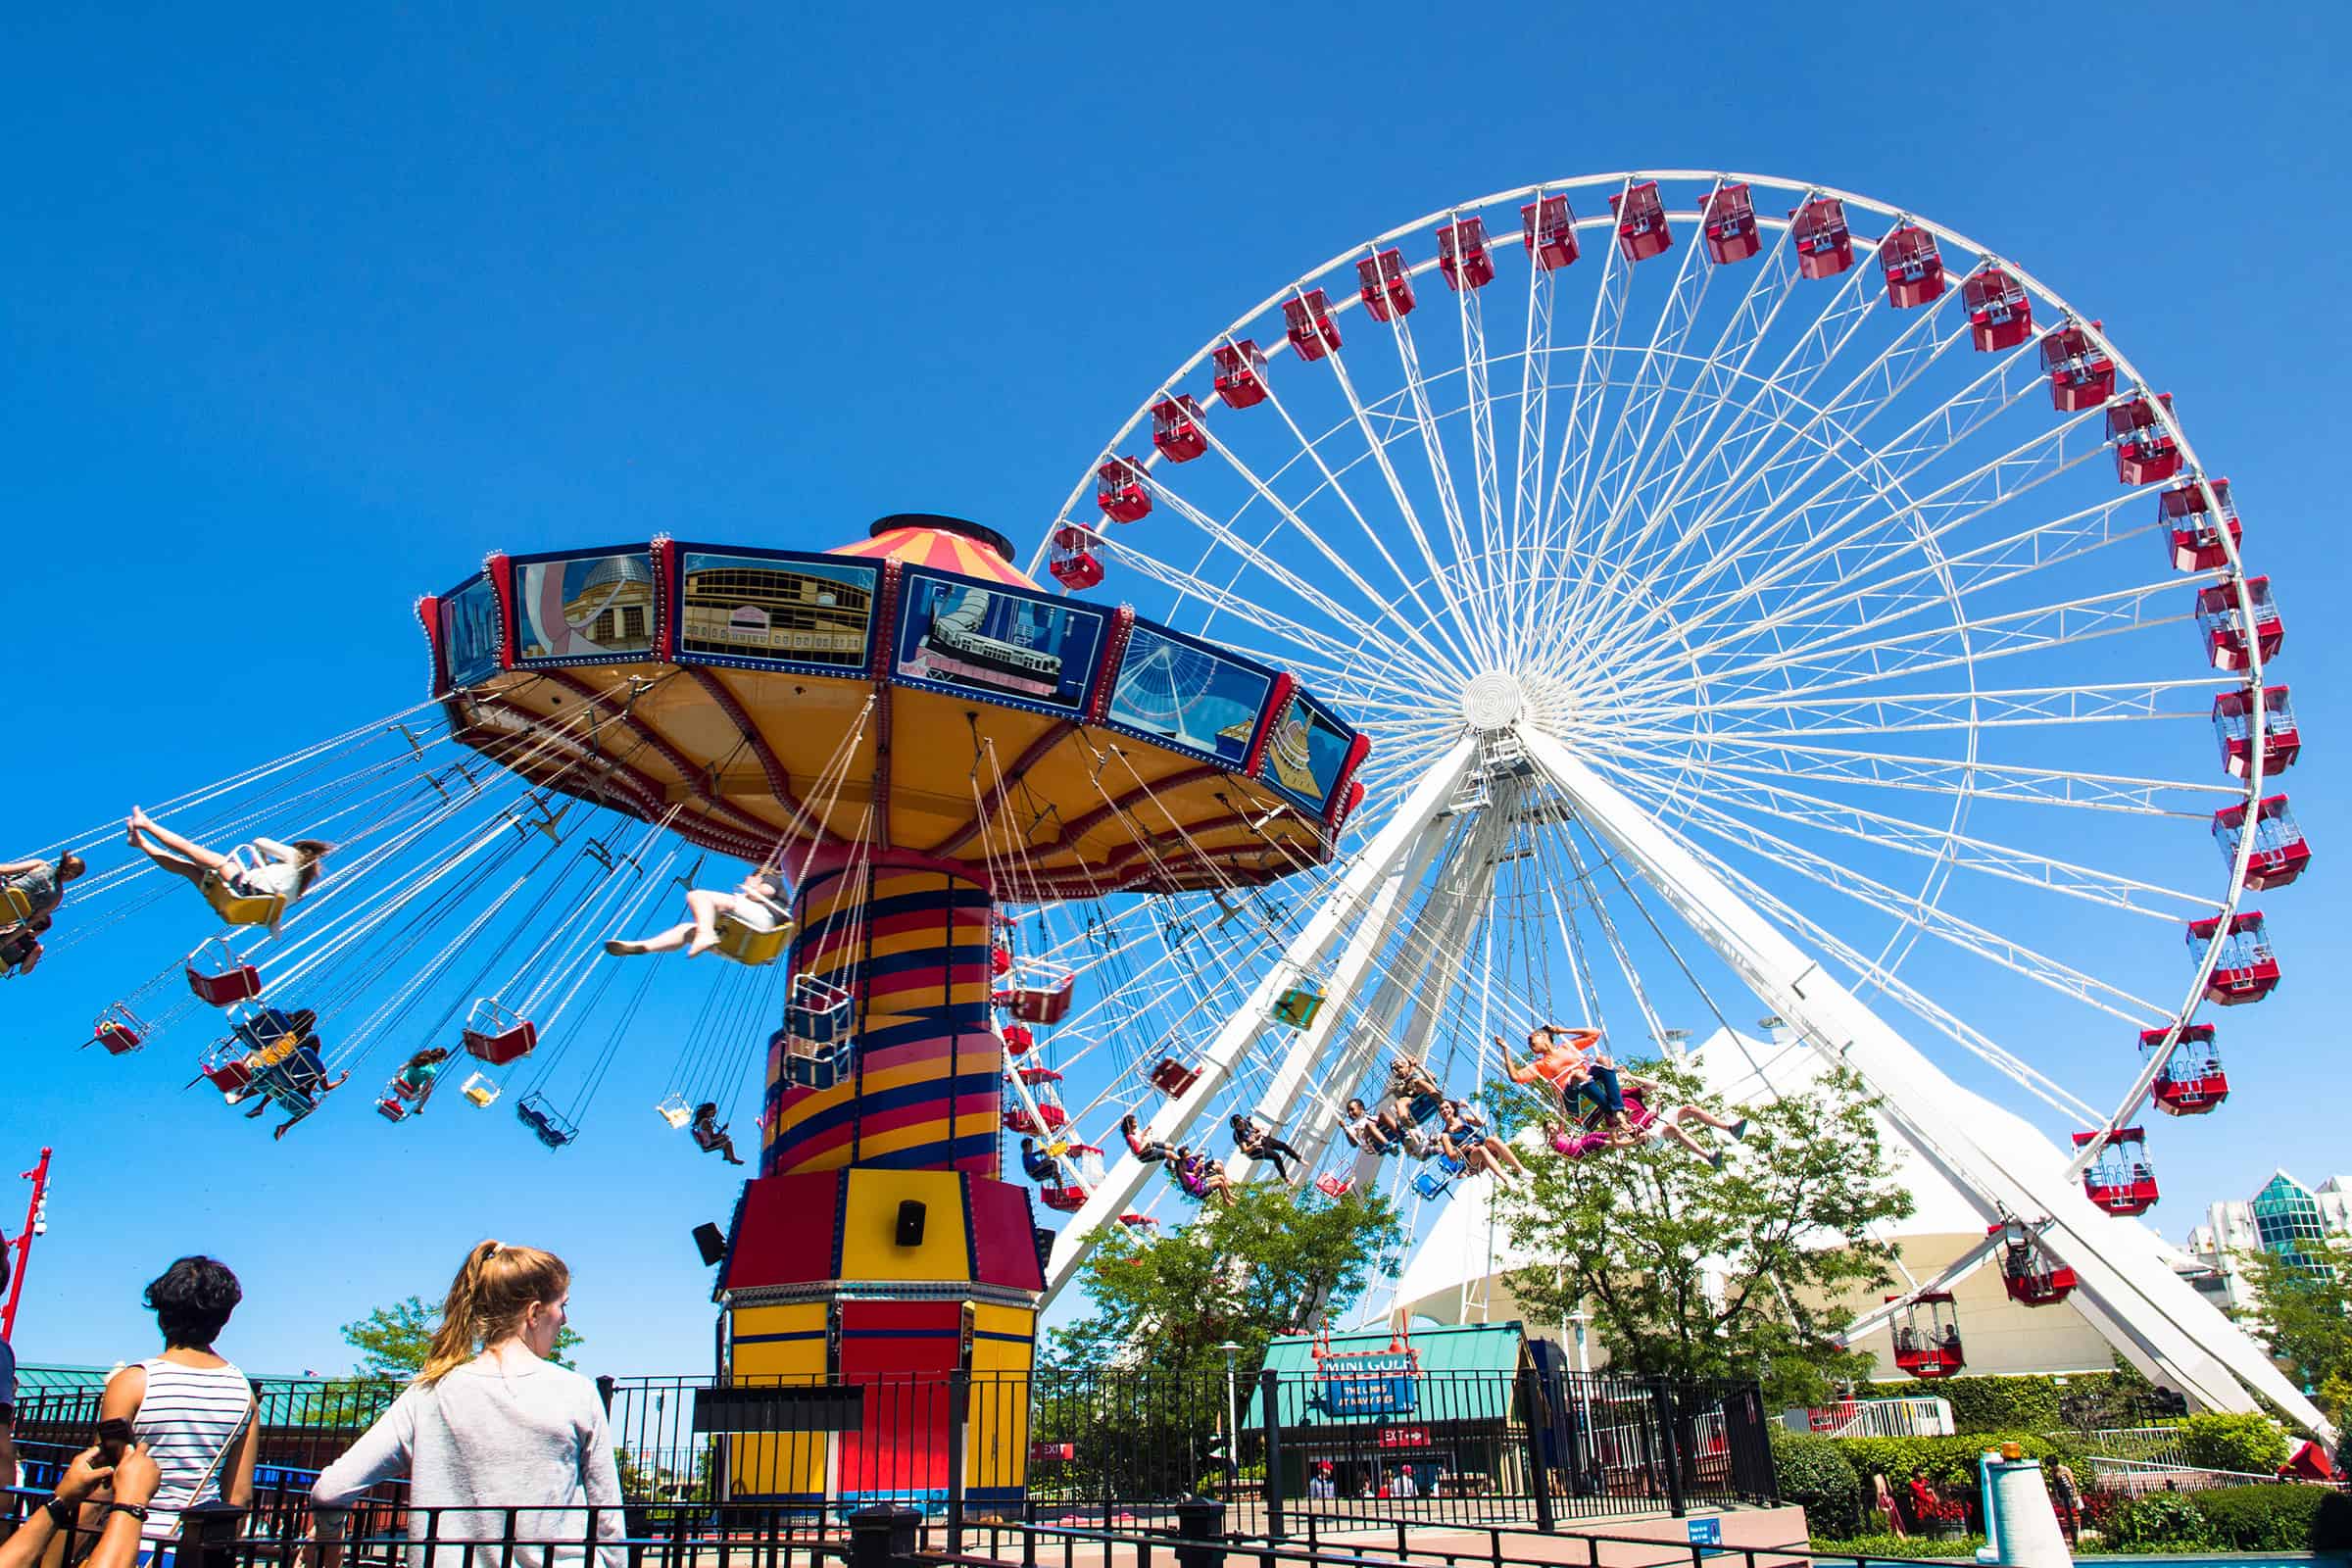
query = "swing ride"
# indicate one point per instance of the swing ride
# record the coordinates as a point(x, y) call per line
point(1696, 609)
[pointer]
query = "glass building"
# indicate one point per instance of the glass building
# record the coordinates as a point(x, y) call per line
point(2288, 1222)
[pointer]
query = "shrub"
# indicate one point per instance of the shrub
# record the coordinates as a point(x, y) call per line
point(2223, 1440)
point(1812, 1473)
point(2282, 1518)
point(2159, 1521)
point(1912, 1548)
point(2036, 1403)
point(2332, 1526)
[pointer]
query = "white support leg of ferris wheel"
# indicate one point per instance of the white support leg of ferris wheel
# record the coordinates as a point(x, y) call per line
point(1311, 1048)
point(1420, 807)
point(2152, 1315)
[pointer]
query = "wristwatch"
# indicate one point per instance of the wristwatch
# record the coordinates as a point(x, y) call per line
point(137, 1510)
point(62, 1512)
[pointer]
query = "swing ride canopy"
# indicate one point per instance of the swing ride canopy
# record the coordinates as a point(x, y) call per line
point(913, 690)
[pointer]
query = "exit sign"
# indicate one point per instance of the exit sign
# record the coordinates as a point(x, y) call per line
point(1404, 1436)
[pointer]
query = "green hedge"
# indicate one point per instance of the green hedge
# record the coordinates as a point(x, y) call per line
point(2263, 1518)
point(2021, 1405)
point(2222, 1441)
point(1814, 1474)
point(1962, 1548)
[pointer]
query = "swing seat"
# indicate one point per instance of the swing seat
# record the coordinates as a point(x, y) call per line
point(232, 1075)
point(1172, 1077)
point(1140, 1222)
point(234, 906)
point(481, 1091)
point(1334, 1185)
point(1296, 1009)
point(217, 978)
point(1040, 993)
point(1019, 1039)
point(1423, 1107)
point(497, 1036)
point(819, 1010)
point(545, 1123)
point(1451, 1167)
point(674, 1111)
point(1062, 1200)
point(119, 1030)
point(811, 1064)
point(747, 946)
point(17, 904)
point(391, 1109)
point(1428, 1185)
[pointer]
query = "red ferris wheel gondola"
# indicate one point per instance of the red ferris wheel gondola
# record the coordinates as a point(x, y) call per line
point(2082, 372)
point(1386, 286)
point(2120, 1180)
point(2193, 538)
point(2000, 314)
point(2247, 969)
point(1548, 230)
point(1931, 1350)
point(2226, 634)
point(2191, 1081)
point(1825, 244)
point(2233, 727)
point(1641, 229)
point(2028, 1273)
point(1176, 428)
point(1727, 220)
point(2279, 853)
point(1462, 256)
point(1913, 267)
point(2144, 454)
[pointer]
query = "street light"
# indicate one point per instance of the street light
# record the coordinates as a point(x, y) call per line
point(1233, 1423)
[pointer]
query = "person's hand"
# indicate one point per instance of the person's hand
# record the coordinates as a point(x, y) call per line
point(135, 1474)
point(85, 1475)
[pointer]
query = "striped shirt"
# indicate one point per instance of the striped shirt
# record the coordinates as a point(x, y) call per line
point(188, 1419)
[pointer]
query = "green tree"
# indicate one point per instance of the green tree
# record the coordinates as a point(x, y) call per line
point(2305, 1318)
point(1694, 1273)
point(1243, 1273)
point(394, 1341)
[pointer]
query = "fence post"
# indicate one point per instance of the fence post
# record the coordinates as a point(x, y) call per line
point(960, 1408)
point(1670, 1444)
point(1200, 1532)
point(1533, 1421)
point(604, 1390)
point(1269, 1385)
point(882, 1536)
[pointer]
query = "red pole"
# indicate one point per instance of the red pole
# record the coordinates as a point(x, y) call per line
point(39, 1177)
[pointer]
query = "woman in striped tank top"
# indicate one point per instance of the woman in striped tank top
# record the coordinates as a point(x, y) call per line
point(190, 1407)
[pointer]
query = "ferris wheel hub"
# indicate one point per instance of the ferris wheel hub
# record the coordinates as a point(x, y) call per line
point(1493, 700)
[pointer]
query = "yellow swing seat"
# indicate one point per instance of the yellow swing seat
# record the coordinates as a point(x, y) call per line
point(673, 1111)
point(15, 902)
point(480, 1090)
point(238, 908)
point(747, 946)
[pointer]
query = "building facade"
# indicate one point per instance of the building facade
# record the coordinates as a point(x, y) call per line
point(2285, 1219)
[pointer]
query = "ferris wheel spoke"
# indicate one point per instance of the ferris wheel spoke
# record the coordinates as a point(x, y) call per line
point(1940, 579)
point(1750, 789)
point(1597, 902)
point(1877, 977)
point(1953, 776)
point(1704, 404)
point(1846, 540)
point(1836, 663)
point(1628, 450)
point(2007, 951)
point(1563, 510)
point(1747, 452)
point(1736, 525)
point(2017, 707)
point(1290, 582)
point(1527, 559)
point(1432, 447)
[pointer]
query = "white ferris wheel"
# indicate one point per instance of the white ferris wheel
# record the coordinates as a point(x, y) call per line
point(1744, 584)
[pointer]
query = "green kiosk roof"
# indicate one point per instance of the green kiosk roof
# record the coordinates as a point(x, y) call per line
point(1372, 1399)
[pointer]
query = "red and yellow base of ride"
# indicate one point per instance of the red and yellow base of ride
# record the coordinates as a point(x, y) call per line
point(830, 1280)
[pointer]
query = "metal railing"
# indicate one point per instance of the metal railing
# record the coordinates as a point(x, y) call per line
point(1529, 1446)
point(1877, 1418)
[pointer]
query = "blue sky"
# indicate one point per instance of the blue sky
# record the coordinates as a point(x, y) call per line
point(302, 312)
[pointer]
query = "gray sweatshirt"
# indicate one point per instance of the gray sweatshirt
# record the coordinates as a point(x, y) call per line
point(520, 1433)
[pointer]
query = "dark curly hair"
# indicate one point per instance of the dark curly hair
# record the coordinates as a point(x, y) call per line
point(192, 1301)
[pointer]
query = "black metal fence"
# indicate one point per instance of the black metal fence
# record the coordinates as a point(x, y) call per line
point(1532, 1446)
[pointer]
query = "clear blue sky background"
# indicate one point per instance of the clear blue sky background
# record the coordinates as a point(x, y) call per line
point(301, 312)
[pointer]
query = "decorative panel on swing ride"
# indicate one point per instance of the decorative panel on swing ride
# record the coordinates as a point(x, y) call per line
point(773, 609)
point(592, 609)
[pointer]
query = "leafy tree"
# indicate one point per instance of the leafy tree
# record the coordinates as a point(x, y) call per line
point(2225, 1440)
point(1244, 1274)
point(394, 1341)
point(1698, 1274)
point(2305, 1318)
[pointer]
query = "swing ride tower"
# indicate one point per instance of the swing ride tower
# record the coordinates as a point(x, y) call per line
point(910, 735)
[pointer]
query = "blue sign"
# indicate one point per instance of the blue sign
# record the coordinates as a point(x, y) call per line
point(1707, 1532)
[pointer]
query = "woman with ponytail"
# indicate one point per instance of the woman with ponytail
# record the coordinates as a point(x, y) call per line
point(492, 1427)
